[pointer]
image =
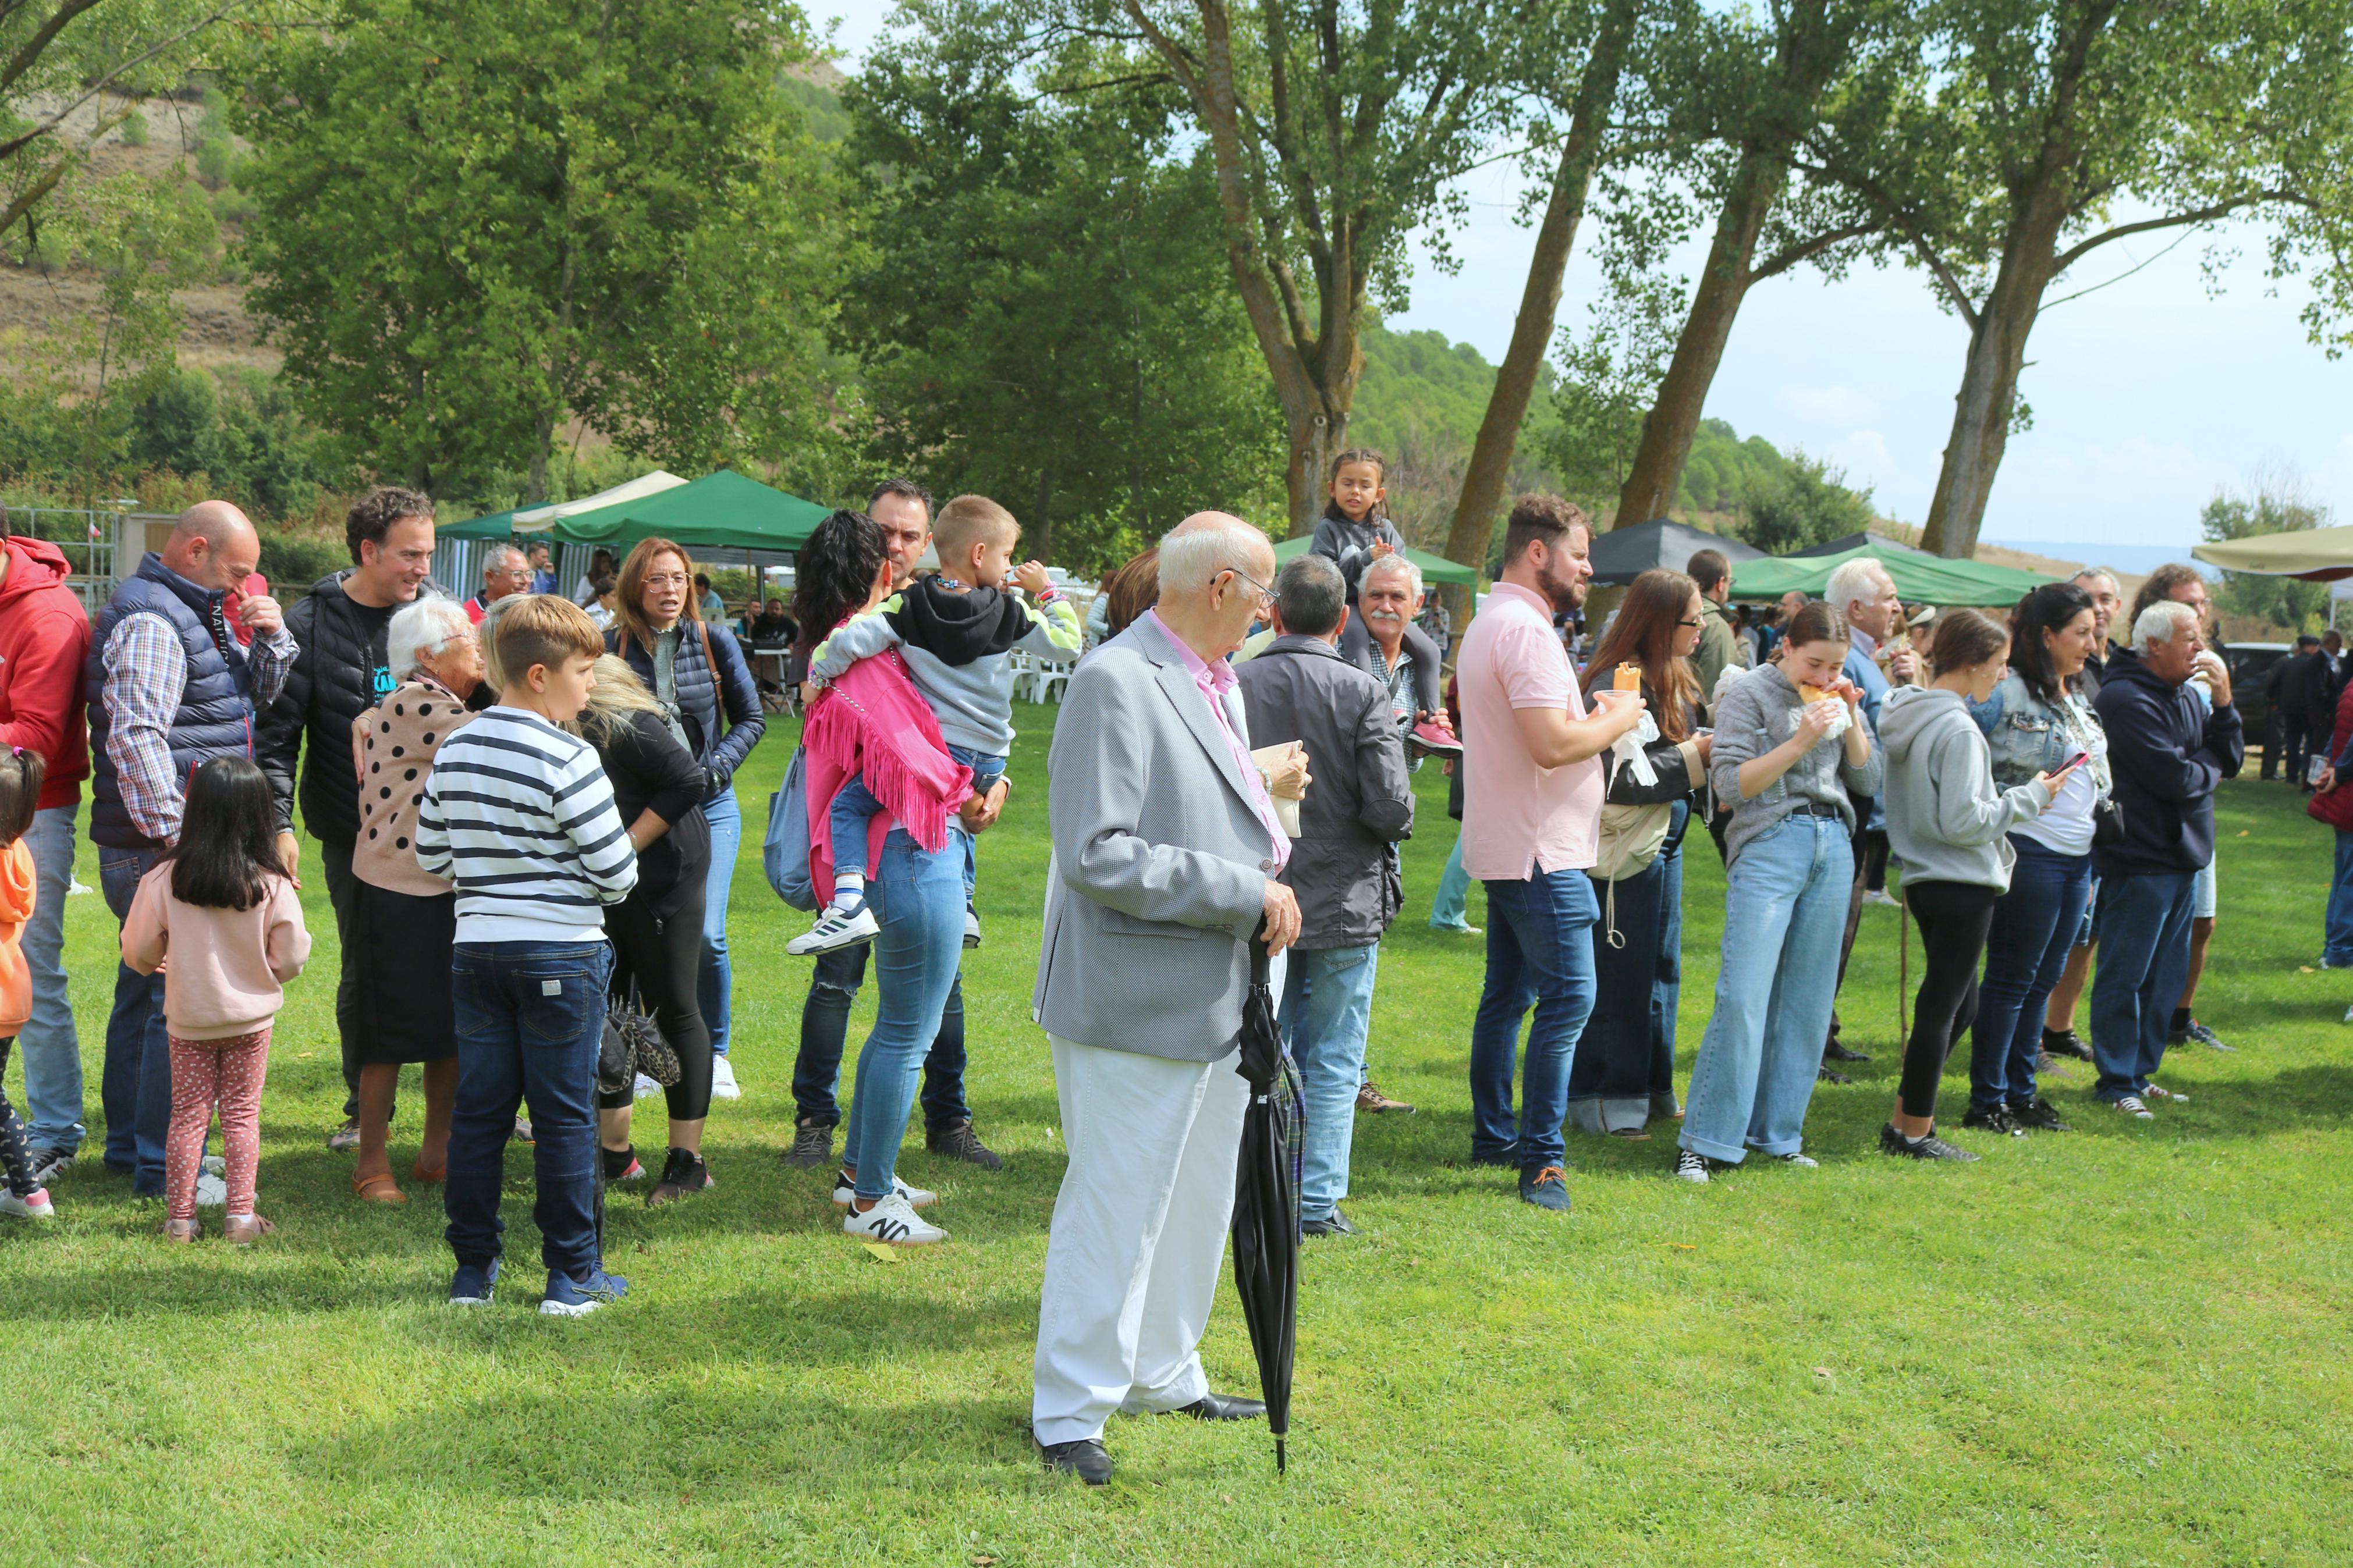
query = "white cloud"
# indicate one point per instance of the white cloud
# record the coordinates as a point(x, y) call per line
point(1828, 405)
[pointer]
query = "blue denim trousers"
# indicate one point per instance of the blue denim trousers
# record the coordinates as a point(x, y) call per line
point(1326, 1013)
point(1450, 910)
point(854, 807)
point(47, 1044)
point(919, 901)
point(825, 1031)
point(2144, 963)
point(2035, 927)
point(531, 1016)
point(715, 986)
point(1540, 955)
point(2336, 944)
point(134, 1088)
point(1784, 911)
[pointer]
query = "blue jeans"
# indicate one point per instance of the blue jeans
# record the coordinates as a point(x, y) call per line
point(1451, 911)
point(47, 1044)
point(1784, 911)
point(854, 807)
point(1324, 1027)
point(134, 1089)
point(531, 1016)
point(2144, 964)
point(1540, 955)
point(2336, 945)
point(825, 1030)
point(2034, 929)
point(919, 899)
point(716, 984)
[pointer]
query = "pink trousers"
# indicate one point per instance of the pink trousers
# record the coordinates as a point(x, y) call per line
point(206, 1073)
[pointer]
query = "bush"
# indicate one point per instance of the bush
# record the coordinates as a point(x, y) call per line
point(134, 130)
point(294, 556)
point(1806, 502)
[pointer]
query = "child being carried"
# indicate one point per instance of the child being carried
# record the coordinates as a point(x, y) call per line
point(957, 633)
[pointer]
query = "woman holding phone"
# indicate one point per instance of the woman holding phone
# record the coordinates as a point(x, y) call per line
point(2038, 718)
point(1950, 824)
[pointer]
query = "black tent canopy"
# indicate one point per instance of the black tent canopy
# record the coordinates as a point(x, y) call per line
point(1623, 554)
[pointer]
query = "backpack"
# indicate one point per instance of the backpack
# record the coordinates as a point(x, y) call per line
point(785, 852)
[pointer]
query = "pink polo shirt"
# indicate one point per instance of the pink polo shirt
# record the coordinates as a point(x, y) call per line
point(1518, 818)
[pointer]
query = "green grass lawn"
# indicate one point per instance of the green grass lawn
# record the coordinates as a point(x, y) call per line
point(2124, 1345)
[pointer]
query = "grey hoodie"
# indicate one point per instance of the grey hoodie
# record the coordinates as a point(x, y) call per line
point(1945, 817)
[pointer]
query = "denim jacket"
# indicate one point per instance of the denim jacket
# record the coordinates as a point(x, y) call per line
point(2028, 736)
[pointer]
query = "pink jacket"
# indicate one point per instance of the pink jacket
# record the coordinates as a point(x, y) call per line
point(871, 722)
point(228, 967)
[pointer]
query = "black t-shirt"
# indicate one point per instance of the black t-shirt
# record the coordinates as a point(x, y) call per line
point(375, 623)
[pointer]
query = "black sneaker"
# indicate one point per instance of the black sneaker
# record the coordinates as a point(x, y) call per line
point(2205, 1037)
point(1829, 1075)
point(2066, 1043)
point(1993, 1119)
point(957, 1141)
point(2036, 1116)
point(49, 1164)
point(1337, 1225)
point(1835, 1052)
point(1931, 1147)
point(812, 1144)
point(682, 1172)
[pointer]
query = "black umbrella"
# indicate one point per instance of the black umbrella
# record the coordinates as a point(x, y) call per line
point(1266, 1200)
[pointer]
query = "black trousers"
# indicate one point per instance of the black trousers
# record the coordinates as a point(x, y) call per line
point(343, 893)
point(662, 955)
point(1954, 918)
point(1869, 871)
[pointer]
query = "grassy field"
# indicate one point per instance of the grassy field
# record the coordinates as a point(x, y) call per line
point(2126, 1346)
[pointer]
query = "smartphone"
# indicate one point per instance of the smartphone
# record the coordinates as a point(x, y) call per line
point(2077, 760)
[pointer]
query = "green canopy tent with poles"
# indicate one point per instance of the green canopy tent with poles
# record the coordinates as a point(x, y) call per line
point(1434, 568)
point(1919, 579)
point(724, 510)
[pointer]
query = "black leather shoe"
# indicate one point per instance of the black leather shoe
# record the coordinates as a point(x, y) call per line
point(1337, 1225)
point(1222, 1408)
point(1085, 1458)
point(1834, 1052)
point(1831, 1074)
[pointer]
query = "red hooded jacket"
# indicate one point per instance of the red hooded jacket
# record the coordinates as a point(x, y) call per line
point(44, 637)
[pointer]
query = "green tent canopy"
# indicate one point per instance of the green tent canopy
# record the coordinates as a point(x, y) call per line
point(1919, 579)
point(724, 510)
point(1434, 568)
point(540, 520)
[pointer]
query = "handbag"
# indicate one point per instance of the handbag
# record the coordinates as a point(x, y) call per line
point(785, 851)
point(1630, 840)
point(2107, 823)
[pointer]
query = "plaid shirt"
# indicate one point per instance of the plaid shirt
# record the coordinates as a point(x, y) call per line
point(146, 672)
point(1399, 678)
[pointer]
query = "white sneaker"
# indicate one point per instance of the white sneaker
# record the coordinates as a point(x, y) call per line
point(916, 1197)
point(212, 1192)
point(892, 1220)
point(1691, 1167)
point(722, 1081)
point(2158, 1091)
point(36, 1206)
point(1883, 897)
point(1803, 1162)
point(836, 928)
point(2130, 1105)
point(646, 1086)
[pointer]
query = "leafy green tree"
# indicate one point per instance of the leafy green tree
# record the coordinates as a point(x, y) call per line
point(241, 430)
point(2274, 503)
point(483, 220)
point(1805, 501)
point(1096, 372)
point(1608, 379)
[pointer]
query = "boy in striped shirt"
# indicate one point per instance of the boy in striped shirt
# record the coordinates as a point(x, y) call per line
point(517, 811)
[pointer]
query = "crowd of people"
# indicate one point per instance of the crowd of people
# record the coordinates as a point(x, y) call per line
point(535, 792)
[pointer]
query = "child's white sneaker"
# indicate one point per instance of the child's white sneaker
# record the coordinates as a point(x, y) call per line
point(212, 1192)
point(917, 1197)
point(838, 927)
point(34, 1204)
point(892, 1220)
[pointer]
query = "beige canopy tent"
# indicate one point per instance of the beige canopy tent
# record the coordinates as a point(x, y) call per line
point(2315, 554)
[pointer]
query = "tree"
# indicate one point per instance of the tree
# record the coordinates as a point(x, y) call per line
point(2274, 502)
point(1333, 130)
point(1607, 381)
point(481, 219)
point(2047, 131)
point(1804, 501)
point(1095, 372)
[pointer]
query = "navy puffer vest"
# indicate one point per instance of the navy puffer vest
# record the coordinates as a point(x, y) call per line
point(215, 716)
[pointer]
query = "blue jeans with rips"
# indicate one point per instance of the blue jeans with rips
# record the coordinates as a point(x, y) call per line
point(1326, 1013)
point(1540, 955)
point(134, 1088)
point(825, 1031)
point(1784, 911)
point(48, 1045)
point(2144, 963)
point(2034, 929)
point(918, 899)
point(715, 982)
point(531, 1016)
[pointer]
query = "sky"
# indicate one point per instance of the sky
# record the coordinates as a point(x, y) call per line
point(2148, 395)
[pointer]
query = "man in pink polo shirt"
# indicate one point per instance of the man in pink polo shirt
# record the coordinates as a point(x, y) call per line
point(1531, 824)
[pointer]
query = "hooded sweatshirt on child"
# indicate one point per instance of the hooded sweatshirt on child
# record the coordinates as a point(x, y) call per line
point(44, 638)
point(17, 888)
point(1945, 817)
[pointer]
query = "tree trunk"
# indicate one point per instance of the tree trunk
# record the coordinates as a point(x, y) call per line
point(1516, 378)
point(1981, 409)
point(1674, 419)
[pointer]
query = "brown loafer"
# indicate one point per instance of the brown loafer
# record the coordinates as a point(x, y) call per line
point(378, 1190)
point(246, 1232)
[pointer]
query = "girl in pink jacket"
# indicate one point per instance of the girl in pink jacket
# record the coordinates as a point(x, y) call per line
point(221, 911)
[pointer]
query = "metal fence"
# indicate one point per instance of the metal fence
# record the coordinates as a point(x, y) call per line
point(101, 547)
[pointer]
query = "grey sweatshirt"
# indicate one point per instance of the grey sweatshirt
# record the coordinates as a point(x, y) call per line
point(1945, 817)
point(1758, 712)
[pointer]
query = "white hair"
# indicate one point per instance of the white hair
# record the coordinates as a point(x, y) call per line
point(422, 628)
point(498, 552)
point(2162, 622)
point(1855, 582)
point(1394, 563)
point(1203, 545)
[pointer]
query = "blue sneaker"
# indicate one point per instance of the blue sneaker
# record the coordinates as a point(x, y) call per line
point(570, 1298)
point(473, 1283)
point(1546, 1188)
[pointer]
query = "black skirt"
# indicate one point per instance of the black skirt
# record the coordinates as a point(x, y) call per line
point(403, 946)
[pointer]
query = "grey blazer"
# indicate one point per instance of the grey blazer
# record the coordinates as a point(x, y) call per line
point(1161, 863)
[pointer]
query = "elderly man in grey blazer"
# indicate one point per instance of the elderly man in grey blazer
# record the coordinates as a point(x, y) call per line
point(1168, 849)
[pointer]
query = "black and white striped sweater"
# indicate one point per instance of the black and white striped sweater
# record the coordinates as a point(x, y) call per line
point(519, 814)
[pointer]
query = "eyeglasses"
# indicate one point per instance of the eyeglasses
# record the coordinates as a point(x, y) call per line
point(1265, 595)
point(1694, 625)
point(666, 580)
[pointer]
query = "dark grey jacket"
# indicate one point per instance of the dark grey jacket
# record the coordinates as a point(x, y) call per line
point(1344, 865)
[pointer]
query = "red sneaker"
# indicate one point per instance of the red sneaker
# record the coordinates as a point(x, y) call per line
point(1436, 739)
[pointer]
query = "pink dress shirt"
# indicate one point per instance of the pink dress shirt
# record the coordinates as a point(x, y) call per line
point(1214, 681)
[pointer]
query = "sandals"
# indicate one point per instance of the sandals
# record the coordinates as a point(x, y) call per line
point(182, 1230)
point(418, 1173)
point(378, 1189)
point(246, 1232)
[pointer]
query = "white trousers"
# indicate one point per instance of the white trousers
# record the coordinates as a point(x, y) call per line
point(1138, 1236)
